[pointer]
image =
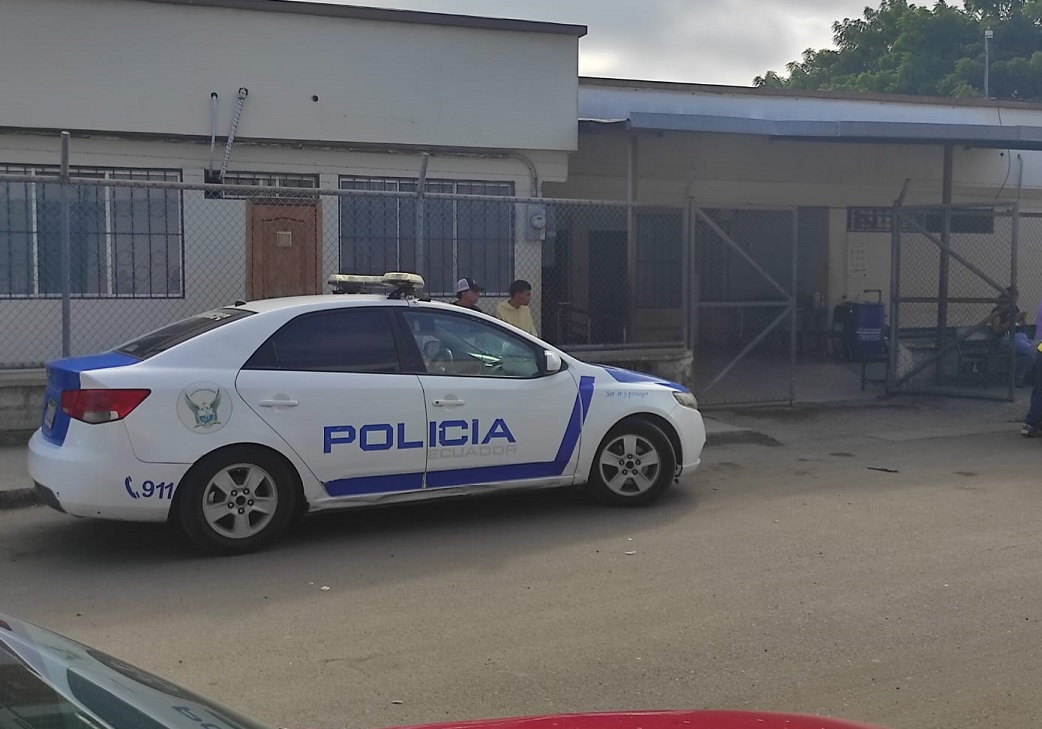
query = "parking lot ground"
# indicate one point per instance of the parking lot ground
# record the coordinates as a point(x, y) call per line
point(875, 563)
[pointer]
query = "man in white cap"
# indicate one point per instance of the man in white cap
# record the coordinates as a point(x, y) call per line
point(467, 294)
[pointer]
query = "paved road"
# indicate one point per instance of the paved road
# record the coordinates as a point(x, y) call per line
point(789, 578)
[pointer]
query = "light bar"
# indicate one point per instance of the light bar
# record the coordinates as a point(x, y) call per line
point(350, 283)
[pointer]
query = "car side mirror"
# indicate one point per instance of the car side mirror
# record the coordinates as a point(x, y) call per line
point(554, 363)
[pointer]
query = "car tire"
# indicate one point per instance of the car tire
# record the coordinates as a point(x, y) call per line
point(237, 500)
point(633, 466)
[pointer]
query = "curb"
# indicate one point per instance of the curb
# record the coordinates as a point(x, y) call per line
point(19, 499)
point(15, 437)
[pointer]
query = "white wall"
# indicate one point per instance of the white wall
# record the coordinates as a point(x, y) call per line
point(132, 66)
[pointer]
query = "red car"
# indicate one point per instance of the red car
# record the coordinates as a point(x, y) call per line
point(48, 681)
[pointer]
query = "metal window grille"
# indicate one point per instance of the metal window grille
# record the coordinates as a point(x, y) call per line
point(125, 241)
point(461, 237)
point(270, 184)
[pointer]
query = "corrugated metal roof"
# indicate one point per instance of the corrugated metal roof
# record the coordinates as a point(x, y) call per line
point(769, 92)
point(653, 106)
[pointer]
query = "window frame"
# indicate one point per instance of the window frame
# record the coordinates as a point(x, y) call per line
point(268, 359)
point(181, 331)
point(106, 252)
point(539, 353)
point(405, 188)
point(270, 185)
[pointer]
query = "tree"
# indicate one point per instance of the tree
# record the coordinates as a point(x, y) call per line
point(902, 48)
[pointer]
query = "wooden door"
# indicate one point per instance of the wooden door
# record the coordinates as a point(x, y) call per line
point(282, 249)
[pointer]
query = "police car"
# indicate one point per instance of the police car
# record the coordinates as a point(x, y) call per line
point(235, 422)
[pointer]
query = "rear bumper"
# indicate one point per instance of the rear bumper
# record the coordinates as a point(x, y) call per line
point(95, 474)
point(47, 496)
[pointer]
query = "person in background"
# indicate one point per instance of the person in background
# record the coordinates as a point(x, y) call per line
point(1005, 322)
point(1033, 420)
point(467, 294)
point(515, 310)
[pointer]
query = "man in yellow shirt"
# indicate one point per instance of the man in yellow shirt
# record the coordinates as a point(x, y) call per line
point(515, 309)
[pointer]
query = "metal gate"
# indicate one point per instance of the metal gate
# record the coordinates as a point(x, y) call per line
point(954, 275)
point(743, 322)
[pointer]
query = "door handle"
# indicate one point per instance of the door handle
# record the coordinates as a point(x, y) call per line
point(449, 403)
point(278, 403)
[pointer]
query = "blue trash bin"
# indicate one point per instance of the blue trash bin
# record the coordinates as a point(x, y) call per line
point(864, 330)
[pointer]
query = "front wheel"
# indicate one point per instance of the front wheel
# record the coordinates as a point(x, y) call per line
point(634, 465)
point(237, 500)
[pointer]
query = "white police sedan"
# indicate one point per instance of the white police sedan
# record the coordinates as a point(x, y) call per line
point(235, 422)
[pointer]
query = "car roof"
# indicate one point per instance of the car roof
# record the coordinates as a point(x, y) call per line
point(290, 302)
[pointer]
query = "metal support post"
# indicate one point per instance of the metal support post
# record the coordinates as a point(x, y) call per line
point(421, 185)
point(66, 248)
point(792, 306)
point(895, 295)
point(631, 242)
point(945, 264)
point(686, 255)
point(1015, 299)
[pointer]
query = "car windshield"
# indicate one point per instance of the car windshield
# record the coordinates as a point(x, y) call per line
point(29, 702)
point(179, 332)
point(75, 687)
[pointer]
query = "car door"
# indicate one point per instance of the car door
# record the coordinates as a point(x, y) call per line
point(331, 384)
point(495, 417)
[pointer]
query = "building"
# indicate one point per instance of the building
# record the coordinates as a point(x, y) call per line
point(311, 96)
point(781, 205)
point(726, 221)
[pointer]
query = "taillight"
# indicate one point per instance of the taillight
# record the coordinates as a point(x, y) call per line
point(101, 406)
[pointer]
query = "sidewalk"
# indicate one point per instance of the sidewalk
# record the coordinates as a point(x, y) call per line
point(898, 419)
point(16, 488)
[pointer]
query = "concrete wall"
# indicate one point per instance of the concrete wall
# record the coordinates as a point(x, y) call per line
point(132, 66)
point(21, 400)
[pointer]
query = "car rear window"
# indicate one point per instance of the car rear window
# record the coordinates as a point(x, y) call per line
point(171, 335)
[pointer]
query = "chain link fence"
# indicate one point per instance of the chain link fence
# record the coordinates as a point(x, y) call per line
point(112, 254)
point(745, 278)
point(960, 288)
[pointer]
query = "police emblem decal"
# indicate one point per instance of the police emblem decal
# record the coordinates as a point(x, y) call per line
point(204, 407)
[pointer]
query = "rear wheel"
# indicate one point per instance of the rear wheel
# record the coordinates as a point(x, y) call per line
point(238, 500)
point(634, 465)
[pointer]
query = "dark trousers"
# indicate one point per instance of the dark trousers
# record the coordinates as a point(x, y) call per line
point(1034, 416)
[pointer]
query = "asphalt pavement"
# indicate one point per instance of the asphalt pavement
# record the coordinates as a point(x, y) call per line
point(876, 563)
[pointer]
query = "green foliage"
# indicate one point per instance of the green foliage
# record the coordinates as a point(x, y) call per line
point(902, 48)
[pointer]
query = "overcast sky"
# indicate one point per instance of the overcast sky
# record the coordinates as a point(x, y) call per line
point(700, 41)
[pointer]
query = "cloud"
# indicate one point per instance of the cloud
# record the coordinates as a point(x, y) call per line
point(697, 41)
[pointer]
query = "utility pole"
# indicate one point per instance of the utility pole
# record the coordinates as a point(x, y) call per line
point(988, 35)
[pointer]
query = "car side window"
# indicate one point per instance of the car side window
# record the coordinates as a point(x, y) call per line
point(342, 340)
point(467, 347)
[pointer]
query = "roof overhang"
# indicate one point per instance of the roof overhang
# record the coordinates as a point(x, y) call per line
point(887, 132)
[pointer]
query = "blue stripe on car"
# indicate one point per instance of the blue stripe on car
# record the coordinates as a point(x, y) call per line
point(64, 374)
point(375, 484)
point(630, 376)
point(483, 474)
